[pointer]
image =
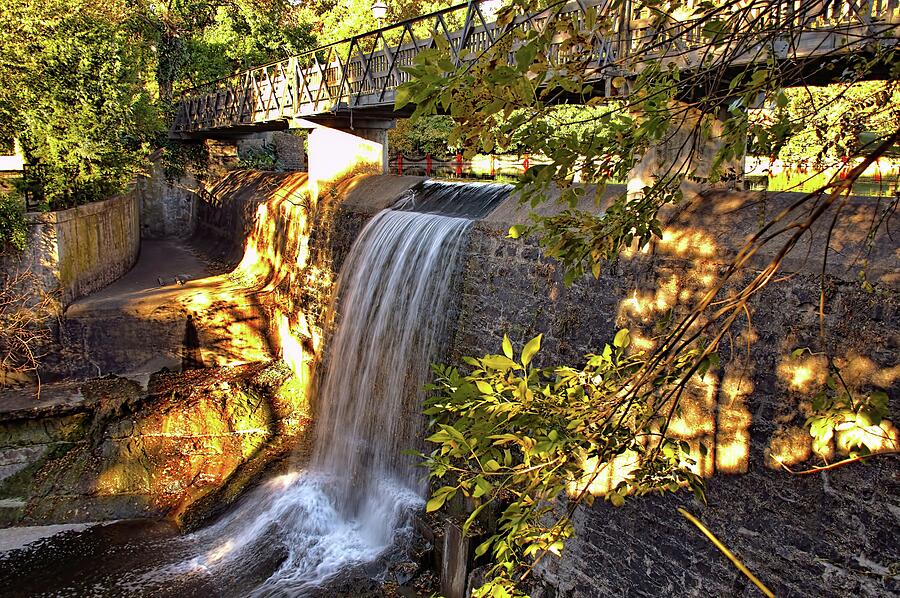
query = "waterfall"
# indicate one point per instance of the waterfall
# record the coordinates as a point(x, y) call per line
point(395, 291)
point(355, 500)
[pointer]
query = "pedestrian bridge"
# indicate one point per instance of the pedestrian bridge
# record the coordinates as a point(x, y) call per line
point(360, 75)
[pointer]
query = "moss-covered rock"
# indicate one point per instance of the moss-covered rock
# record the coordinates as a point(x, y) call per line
point(182, 449)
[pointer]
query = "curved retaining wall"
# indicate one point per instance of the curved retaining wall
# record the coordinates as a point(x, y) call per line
point(81, 250)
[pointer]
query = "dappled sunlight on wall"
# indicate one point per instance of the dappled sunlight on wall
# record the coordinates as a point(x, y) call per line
point(687, 243)
point(806, 375)
point(713, 412)
point(270, 305)
point(732, 448)
point(803, 374)
point(601, 478)
point(674, 274)
point(858, 370)
point(671, 287)
point(788, 446)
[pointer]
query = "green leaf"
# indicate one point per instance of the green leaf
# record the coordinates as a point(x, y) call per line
point(435, 503)
point(623, 339)
point(441, 496)
point(703, 367)
point(615, 498)
point(402, 97)
point(866, 418)
point(484, 546)
point(879, 400)
point(531, 347)
point(525, 56)
point(781, 100)
point(484, 388)
point(482, 487)
point(499, 362)
point(471, 519)
point(507, 347)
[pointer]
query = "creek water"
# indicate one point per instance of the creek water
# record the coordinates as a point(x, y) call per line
point(351, 508)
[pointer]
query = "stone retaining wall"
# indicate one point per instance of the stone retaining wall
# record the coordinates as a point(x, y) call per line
point(831, 534)
point(168, 208)
point(81, 250)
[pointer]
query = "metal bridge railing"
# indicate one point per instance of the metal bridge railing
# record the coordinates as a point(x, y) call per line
point(363, 72)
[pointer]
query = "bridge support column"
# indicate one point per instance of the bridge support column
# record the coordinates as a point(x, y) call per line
point(686, 150)
point(335, 152)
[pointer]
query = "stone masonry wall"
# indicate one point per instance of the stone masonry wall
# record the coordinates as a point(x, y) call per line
point(78, 251)
point(290, 153)
point(168, 208)
point(829, 534)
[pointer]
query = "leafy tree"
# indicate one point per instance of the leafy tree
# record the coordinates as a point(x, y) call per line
point(87, 87)
point(830, 123)
point(198, 41)
point(341, 19)
point(73, 92)
point(426, 135)
point(673, 104)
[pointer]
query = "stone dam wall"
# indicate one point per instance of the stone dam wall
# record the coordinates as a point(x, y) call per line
point(828, 534)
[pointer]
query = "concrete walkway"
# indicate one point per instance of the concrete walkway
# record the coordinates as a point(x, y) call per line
point(170, 302)
point(152, 278)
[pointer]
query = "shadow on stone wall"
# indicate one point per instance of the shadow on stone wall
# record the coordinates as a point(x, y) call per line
point(827, 534)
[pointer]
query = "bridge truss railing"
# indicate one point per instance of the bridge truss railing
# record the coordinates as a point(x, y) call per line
point(364, 71)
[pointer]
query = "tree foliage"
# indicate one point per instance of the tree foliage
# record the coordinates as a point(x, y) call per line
point(13, 231)
point(73, 91)
point(834, 122)
point(336, 20)
point(514, 437)
point(87, 87)
point(657, 134)
point(198, 41)
point(426, 135)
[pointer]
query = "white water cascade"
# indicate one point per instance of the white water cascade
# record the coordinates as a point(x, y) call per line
point(355, 500)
